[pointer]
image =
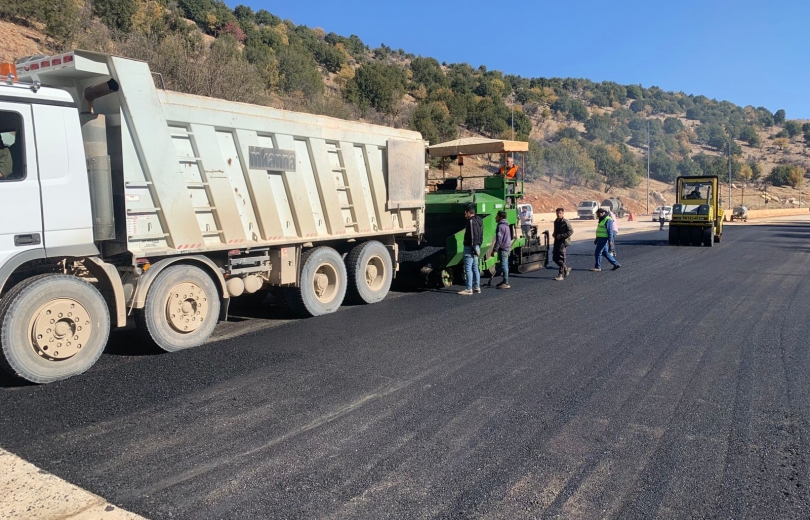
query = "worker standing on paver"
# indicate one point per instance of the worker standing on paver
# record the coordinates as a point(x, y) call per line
point(604, 241)
point(473, 237)
point(562, 239)
point(526, 220)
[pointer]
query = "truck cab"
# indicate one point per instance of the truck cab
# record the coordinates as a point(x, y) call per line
point(45, 197)
point(587, 209)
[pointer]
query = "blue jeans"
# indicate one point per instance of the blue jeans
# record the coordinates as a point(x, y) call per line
point(502, 267)
point(473, 274)
point(602, 250)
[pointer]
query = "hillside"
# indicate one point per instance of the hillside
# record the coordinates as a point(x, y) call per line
point(587, 139)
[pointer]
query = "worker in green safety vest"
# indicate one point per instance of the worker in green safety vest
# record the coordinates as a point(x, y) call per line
point(605, 235)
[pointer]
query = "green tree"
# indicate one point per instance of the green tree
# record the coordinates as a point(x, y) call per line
point(569, 161)
point(264, 59)
point(566, 132)
point(779, 117)
point(637, 106)
point(635, 92)
point(428, 72)
point(434, 122)
point(749, 135)
point(793, 128)
point(116, 14)
point(329, 56)
point(264, 17)
point(376, 85)
point(673, 125)
point(298, 72)
point(599, 126)
point(243, 13)
point(786, 175)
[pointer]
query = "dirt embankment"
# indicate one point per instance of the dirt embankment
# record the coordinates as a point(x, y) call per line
point(18, 41)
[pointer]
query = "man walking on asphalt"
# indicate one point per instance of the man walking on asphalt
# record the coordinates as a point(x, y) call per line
point(604, 241)
point(661, 219)
point(473, 237)
point(615, 225)
point(562, 239)
point(503, 246)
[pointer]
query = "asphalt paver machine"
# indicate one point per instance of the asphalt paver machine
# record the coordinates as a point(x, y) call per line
point(438, 259)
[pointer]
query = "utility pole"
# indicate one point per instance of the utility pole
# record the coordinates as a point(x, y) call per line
point(648, 167)
point(512, 97)
point(729, 172)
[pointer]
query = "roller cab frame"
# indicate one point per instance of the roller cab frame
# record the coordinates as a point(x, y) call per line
point(697, 218)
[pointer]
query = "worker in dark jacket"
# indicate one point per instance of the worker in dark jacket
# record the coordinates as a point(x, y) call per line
point(503, 246)
point(562, 239)
point(473, 237)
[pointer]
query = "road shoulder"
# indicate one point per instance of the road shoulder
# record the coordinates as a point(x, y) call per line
point(30, 493)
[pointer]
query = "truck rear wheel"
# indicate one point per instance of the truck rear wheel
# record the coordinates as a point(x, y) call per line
point(181, 310)
point(370, 271)
point(323, 283)
point(52, 327)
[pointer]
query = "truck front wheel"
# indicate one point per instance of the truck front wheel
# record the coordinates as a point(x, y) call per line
point(52, 327)
point(181, 309)
point(322, 284)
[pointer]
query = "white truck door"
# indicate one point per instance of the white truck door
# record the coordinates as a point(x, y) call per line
point(20, 206)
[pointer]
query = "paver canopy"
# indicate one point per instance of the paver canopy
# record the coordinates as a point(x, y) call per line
point(476, 145)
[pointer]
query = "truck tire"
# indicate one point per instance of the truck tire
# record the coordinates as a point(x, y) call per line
point(52, 327)
point(323, 283)
point(695, 236)
point(181, 310)
point(370, 272)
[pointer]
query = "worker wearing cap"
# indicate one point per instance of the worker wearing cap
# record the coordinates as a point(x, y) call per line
point(510, 169)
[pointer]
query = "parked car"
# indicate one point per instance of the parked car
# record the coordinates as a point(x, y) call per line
point(656, 214)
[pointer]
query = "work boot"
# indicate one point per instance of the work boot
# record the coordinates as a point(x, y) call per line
point(477, 290)
point(568, 271)
point(503, 285)
point(560, 278)
point(466, 292)
point(615, 267)
point(596, 269)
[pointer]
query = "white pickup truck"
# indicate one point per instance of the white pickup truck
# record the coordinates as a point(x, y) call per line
point(121, 199)
point(587, 209)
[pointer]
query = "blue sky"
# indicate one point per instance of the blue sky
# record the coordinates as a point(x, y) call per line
point(747, 52)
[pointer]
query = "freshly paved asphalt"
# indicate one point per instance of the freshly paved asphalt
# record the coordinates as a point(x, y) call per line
point(675, 387)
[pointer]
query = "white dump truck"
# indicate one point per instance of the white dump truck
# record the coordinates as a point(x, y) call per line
point(121, 199)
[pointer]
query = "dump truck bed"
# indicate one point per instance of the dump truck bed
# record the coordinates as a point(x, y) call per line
point(192, 173)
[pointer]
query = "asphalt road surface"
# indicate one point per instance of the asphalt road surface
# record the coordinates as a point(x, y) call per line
point(675, 387)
